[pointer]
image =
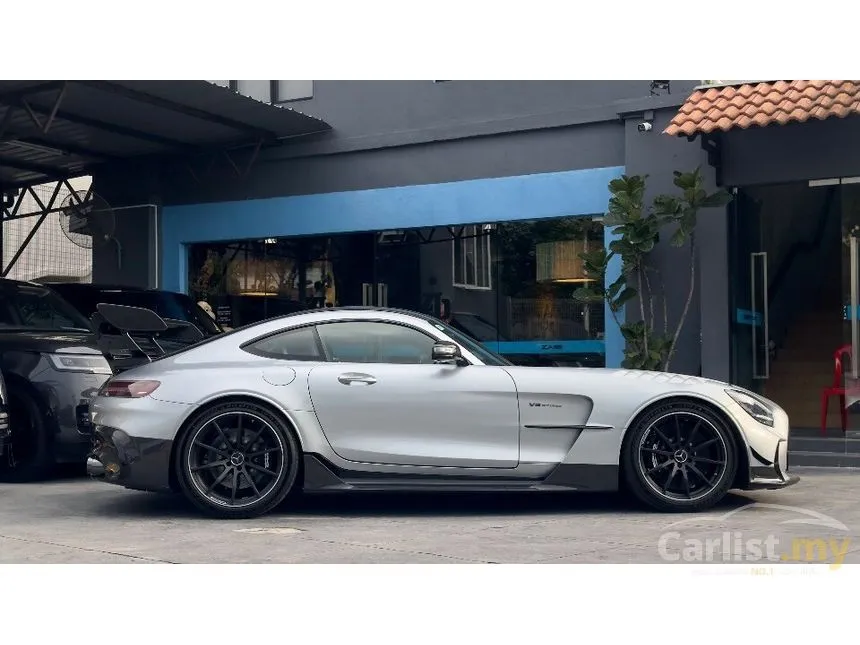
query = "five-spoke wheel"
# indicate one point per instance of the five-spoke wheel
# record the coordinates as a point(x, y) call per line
point(680, 457)
point(237, 460)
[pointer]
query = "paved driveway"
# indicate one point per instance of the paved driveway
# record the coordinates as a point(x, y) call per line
point(75, 520)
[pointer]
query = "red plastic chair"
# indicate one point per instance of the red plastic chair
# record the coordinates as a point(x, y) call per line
point(837, 389)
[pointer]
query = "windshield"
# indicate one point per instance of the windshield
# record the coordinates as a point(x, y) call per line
point(486, 356)
point(26, 306)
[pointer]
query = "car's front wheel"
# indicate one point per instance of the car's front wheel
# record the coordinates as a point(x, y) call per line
point(237, 460)
point(680, 456)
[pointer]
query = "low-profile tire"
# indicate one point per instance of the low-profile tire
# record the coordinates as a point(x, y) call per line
point(679, 457)
point(237, 460)
point(30, 456)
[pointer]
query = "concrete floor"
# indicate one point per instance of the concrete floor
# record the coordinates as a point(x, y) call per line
point(74, 520)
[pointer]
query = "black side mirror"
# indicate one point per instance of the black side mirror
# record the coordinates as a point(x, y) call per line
point(447, 353)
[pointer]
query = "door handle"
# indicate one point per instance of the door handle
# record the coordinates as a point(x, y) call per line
point(355, 377)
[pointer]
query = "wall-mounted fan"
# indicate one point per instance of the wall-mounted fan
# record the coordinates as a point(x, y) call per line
point(89, 222)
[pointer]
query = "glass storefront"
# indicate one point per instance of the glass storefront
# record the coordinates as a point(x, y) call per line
point(509, 286)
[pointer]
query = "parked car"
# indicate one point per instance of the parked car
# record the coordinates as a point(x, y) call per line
point(351, 399)
point(51, 365)
point(5, 432)
point(187, 322)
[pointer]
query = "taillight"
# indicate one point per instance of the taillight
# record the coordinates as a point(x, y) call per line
point(129, 389)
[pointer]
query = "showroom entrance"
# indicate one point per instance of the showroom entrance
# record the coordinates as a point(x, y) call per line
point(796, 280)
point(508, 285)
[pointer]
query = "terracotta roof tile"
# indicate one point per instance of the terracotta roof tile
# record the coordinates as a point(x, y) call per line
point(762, 104)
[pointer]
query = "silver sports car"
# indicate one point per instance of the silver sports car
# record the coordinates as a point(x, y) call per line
point(360, 399)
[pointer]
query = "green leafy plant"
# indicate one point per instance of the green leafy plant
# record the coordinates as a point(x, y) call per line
point(650, 342)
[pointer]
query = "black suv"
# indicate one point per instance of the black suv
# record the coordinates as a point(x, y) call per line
point(51, 364)
point(186, 321)
point(5, 431)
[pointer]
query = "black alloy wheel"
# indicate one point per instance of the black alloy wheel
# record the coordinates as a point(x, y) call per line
point(680, 457)
point(238, 460)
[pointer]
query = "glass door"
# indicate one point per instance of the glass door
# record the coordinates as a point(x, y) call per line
point(750, 319)
point(845, 359)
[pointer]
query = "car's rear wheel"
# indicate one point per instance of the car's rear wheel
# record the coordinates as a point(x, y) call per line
point(680, 456)
point(237, 460)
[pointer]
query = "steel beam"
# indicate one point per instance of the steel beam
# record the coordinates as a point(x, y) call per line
point(142, 97)
point(114, 128)
point(52, 172)
point(13, 96)
point(15, 136)
point(45, 211)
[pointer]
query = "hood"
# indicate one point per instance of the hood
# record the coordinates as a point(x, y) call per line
point(646, 383)
point(48, 341)
point(670, 378)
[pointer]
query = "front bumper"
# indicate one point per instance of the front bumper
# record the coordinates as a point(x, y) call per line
point(769, 474)
point(136, 463)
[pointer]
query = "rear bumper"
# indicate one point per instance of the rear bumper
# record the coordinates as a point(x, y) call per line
point(139, 464)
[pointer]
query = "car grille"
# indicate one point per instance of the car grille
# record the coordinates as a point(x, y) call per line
point(4, 423)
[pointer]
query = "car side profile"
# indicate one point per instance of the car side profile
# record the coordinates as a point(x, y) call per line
point(349, 399)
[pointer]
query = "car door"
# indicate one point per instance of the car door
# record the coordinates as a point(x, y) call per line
point(382, 399)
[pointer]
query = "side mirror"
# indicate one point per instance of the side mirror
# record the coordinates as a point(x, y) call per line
point(447, 353)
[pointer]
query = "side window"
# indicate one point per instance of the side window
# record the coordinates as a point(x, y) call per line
point(295, 344)
point(375, 342)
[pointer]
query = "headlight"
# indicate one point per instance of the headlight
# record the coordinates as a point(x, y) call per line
point(86, 363)
point(753, 406)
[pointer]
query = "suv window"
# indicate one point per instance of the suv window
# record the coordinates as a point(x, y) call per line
point(375, 342)
point(27, 306)
point(294, 344)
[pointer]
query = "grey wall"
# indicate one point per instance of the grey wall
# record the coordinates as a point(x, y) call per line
point(588, 146)
point(133, 263)
point(793, 152)
point(396, 133)
point(366, 108)
point(658, 156)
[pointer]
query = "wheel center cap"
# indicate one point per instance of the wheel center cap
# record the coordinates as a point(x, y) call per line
point(681, 456)
point(237, 459)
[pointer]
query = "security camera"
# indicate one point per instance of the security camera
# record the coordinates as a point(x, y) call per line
point(644, 127)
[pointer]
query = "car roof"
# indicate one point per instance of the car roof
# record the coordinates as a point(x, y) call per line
point(27, 282)
point(96, 286)
point(388, 310)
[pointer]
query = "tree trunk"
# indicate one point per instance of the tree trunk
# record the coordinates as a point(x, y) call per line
point(642, 310)
point(686, 304)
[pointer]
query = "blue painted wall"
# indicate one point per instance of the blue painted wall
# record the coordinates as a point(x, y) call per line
point(525, 197)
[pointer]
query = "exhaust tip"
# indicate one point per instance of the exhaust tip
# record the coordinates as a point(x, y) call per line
point(95, 468)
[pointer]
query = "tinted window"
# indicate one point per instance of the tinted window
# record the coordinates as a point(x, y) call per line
point(295, 344)
point(32, 307)
point(375, 342)
point(166, 304)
